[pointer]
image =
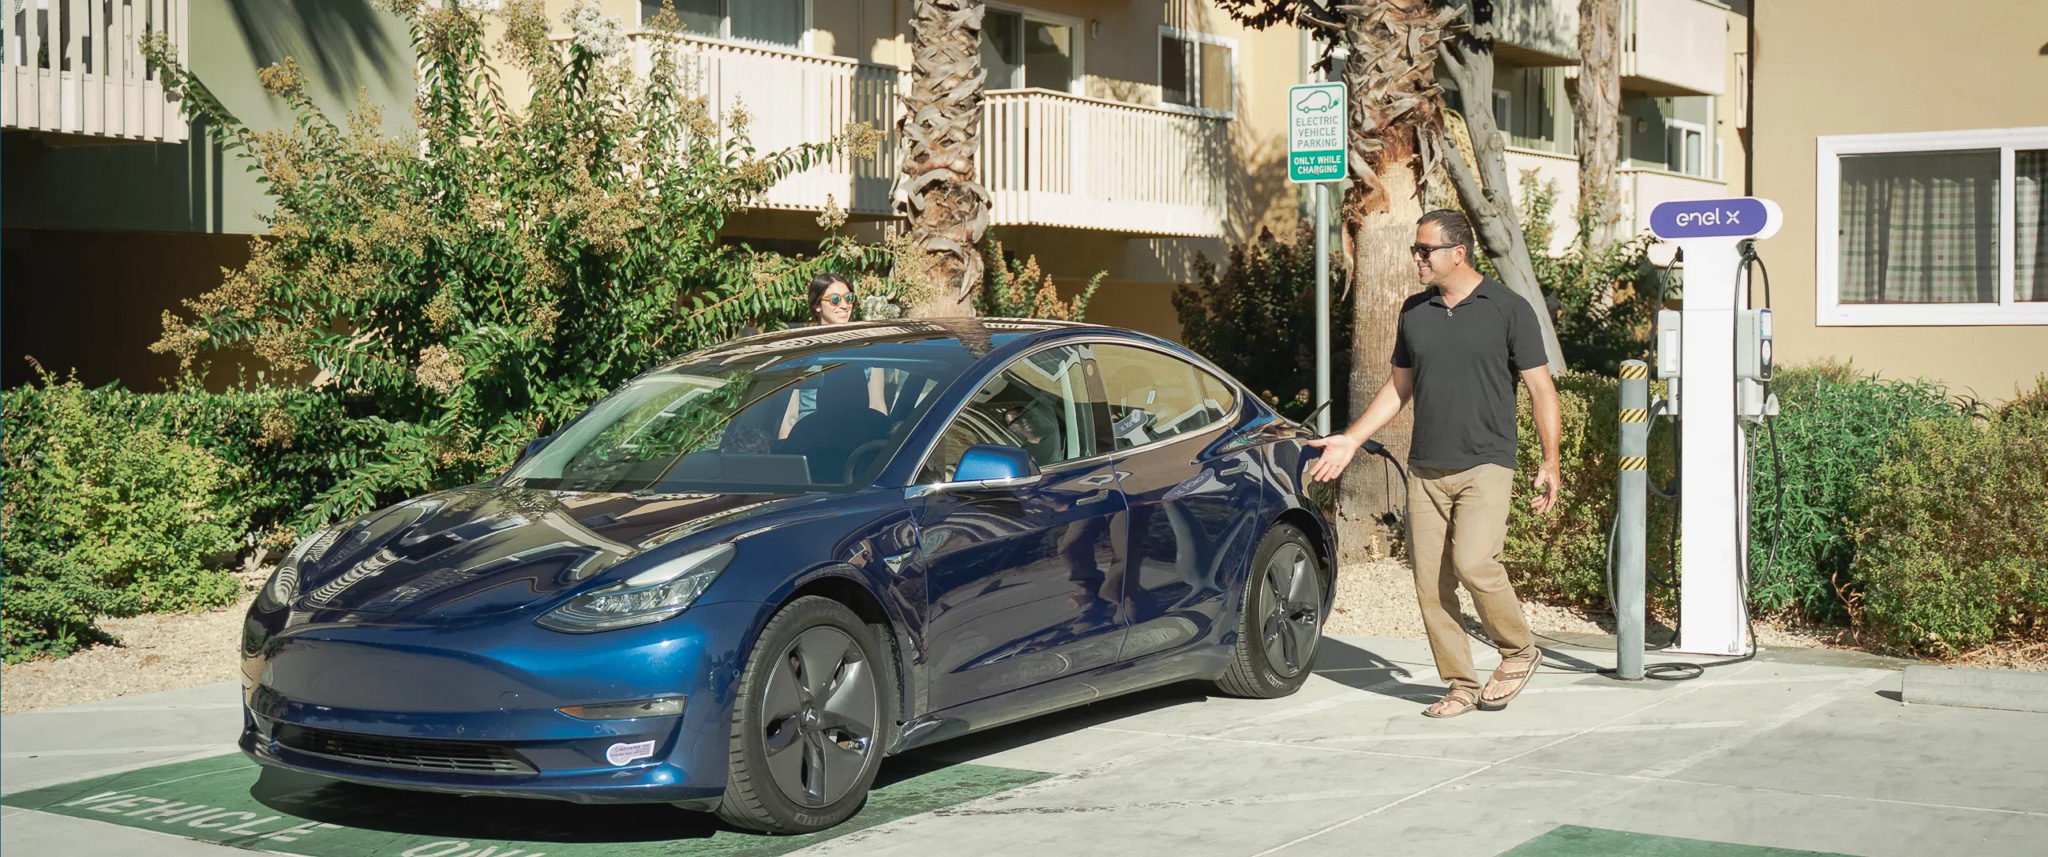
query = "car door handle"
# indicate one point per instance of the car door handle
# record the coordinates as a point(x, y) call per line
point(1096, 496)
point(1234, 468)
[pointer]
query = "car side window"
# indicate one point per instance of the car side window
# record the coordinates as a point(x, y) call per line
point(1154, 396)
point(1048, 403)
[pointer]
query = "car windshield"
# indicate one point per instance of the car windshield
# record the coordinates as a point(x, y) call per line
point(776, 422)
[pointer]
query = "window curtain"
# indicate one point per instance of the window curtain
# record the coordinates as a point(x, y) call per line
point(1919, 228)
point(2030, 215)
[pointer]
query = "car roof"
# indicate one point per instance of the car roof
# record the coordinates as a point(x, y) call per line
point(948, 334)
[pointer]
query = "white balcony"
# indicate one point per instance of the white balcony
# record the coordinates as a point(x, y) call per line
point(1562, 173)
point(1537, 32)
point(1053, 159)
point(1643, 189)
point(791, 99)
point(1047, 158)
point(1674, 47)
point(72, 67)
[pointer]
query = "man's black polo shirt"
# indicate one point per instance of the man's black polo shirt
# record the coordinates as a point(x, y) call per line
point(1466, 359)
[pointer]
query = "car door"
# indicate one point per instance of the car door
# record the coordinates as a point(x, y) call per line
point(1193, 493)
point(1021, 583)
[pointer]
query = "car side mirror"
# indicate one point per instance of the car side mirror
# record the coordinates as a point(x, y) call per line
point(987, 466)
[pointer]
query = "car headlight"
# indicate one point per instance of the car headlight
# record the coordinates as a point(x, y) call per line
point(650, 596)
point(283, 584)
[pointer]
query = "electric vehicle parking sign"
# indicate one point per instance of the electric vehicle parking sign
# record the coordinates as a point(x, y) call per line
point(1731, 217)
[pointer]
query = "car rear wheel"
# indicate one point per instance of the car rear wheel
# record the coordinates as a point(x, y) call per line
point(810, 722)
point(1282, 621)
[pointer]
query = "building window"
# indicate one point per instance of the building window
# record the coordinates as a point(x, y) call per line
point(1197, 70)
point(1025, 50)
point(781, 23)
point(1942, 228)
point(1685, 147)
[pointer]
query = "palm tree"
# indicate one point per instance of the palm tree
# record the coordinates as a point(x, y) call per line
point(1597, 110)
point(946, 207)
point(1396, 146)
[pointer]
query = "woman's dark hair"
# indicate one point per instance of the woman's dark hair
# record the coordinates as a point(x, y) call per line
point(821, 284)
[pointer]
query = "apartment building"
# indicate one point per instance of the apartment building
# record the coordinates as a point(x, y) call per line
point(113, 207)
point(1126, 137)
point(1119, 136)
point(1907, 143)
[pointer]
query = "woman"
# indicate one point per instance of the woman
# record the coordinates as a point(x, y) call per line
point(831, 299)
point(831, 303)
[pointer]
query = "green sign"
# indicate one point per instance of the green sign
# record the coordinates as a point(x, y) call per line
point(1316, 132)
point(231, 801)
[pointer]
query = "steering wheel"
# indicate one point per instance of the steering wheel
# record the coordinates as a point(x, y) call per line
point(854, 464)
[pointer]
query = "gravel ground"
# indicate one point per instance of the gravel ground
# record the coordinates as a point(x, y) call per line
point(1374, 599)
point(158, 652)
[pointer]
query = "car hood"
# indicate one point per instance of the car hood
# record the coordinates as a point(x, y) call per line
point(492, 549)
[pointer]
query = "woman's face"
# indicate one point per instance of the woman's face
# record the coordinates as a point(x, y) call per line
point(836, 306)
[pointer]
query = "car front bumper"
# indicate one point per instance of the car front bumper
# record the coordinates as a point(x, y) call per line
point(473, 710)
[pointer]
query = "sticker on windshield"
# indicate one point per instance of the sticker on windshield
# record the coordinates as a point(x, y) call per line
point(620, 754)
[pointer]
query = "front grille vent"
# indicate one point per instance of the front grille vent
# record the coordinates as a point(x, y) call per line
point(408, 753)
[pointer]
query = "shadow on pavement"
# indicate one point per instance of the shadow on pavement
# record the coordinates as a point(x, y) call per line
point(1352, 666)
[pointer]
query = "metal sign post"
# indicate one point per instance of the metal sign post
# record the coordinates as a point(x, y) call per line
point(1316, 154)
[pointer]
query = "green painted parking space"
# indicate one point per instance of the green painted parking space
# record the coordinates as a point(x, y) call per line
point(1573, 841)
point(231, 801)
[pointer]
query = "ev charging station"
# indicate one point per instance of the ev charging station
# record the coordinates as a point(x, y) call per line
point(1719, 348)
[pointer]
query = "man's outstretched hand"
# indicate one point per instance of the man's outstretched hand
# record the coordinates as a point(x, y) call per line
point(1337, 452)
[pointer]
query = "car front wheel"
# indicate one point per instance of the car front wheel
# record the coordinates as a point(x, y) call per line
point(809, 722)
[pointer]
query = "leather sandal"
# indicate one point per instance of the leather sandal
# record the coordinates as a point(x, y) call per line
point(1514, 675)
point(1463, 701)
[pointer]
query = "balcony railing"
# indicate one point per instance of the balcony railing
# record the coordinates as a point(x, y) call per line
point(1674, 47)
point(1053, 159)
point(1644, 189)
point(1047, 158)
point(1562, 172)
point(791, 99)
point(73, 67)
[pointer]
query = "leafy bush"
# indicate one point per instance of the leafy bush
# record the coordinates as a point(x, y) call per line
point(1952, 534)
point(106, 514)
point(1834, 428)
point(1604, 300)
point(1562, 557)
point(1255, 317)
point(461, 293)
point(1013, 289)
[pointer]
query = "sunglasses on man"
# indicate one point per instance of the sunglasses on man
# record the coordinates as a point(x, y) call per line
point(1426, 249)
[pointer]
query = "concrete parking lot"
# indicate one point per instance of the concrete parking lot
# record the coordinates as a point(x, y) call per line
point(1795, 752)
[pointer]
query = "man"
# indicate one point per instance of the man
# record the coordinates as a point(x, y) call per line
point(1458, 348)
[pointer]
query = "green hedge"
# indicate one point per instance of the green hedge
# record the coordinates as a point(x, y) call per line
point(1918, 518)
point(118, 503)
point(1951, 545)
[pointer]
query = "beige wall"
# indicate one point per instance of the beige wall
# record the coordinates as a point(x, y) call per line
point(1827, 67)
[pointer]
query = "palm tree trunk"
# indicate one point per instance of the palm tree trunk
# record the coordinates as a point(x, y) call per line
point(946, 207)
point(1396, 141)
point(1596, 129)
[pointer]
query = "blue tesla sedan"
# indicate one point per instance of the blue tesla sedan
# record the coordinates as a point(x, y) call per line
point(745, 577)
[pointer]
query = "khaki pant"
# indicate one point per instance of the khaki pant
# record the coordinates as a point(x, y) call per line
point(1458, 526)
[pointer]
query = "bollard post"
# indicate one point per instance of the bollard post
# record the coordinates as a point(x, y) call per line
point(1628, 555)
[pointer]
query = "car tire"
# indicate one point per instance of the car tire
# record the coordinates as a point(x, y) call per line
point(1280, 627)
point(818, 683)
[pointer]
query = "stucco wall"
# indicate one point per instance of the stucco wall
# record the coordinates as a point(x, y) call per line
point(1826, 67)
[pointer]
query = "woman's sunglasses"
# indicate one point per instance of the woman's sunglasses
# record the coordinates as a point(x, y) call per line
point(839, 300)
